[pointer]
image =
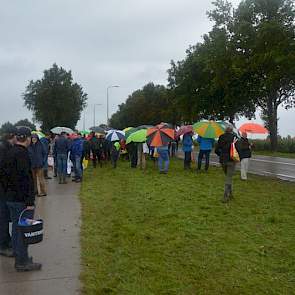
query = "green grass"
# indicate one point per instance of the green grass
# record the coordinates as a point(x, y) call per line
point(275, 154)
point(145, 233)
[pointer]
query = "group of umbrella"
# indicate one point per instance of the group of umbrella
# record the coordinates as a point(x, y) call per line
point(163, 133)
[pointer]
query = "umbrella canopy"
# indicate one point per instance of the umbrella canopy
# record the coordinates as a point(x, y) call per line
point(85, 132)
point(209, 129)
point(39, 133)
point(137, 136)
point(184, 130)
point(253, 128)
point(127, 129)
point(97, 129)
point(130, 131)
point(115, 135)
point(59, 130)
point(160, 135)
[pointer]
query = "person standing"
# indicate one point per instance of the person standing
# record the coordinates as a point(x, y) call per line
point(133, 155)
point(244, 149)
point(62, 147)
point(187, 149)
point(77, 156)
point(46, 143)
point(206, 145)
point(115, 153)
point(6, 144)
point(163, 160)
point(37, 157)
point(228, 165)
point(20, 196)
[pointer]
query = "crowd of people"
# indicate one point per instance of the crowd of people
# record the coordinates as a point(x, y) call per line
point(24, 167)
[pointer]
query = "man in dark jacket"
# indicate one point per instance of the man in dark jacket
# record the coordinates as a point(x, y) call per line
point(6, 144)
point(20, 196)
point(228, 165)
point(76, 157)
point(37, 157)
point(244, 149)
point(61, 149)
point(46, 142)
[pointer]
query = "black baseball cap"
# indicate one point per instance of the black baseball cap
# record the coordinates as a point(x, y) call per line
point(23, 132)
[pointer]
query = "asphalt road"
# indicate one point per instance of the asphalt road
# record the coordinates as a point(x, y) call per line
point(281, 168)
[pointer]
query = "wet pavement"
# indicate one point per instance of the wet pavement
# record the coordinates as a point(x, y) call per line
point(275, 167)
point(59, 252)
point(281, 168)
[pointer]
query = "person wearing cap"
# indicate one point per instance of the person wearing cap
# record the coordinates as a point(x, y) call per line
point(37, 155)
point(20, 196)
point(6, 143)
point(228, 165)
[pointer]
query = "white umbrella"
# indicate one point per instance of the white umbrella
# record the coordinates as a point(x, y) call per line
point(59, 130)
point(115, 135)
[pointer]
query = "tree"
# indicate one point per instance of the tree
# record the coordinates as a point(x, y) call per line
point(25, 123)
point(55, 100)
point(149, 105)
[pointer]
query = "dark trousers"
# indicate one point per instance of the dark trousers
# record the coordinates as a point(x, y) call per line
point(97, 157)
point(114, 158)
point(78, 168)
point(133, 159)
point(203, 153)
point(187, 160)
point(62, 163)
point(19, 247)
point(5, 239)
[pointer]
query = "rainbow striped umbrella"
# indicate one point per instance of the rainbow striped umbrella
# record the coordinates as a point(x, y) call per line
point(209, 129)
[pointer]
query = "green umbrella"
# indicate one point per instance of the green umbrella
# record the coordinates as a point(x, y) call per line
point(209, 129)
point(137, 136)
point(130, 131)
point(85, 132)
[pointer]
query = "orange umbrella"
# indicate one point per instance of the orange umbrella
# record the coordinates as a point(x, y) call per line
point(253, 128)
point(160, 135)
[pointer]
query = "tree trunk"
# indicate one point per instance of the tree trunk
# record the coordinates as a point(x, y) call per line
point(272, 120)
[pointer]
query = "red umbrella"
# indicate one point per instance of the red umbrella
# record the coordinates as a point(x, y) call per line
point(184, 130)
point(160, 135)
point(253, 128)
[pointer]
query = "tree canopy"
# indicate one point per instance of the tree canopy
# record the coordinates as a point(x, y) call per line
point(55, 99)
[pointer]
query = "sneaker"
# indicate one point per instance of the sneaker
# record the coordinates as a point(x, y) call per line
point(7, 252)
point(29, 266)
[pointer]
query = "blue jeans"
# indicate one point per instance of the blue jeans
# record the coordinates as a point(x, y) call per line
point(62, 162)
point(163, 159)
point(78, 169)
point(203, 153)
point(5, 238)
point(19, 247)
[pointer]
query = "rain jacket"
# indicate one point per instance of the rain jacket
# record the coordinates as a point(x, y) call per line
point(61, 146)
point(187, 143)
point(243, 147)
point(77, 147)
point(45, 141)
point(206, 144)
point(223, 147)
point(37, 154)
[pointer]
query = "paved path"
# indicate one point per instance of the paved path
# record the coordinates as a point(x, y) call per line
point(59, 252)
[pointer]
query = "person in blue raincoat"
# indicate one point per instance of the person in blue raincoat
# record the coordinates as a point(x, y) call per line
point(206, 145)
point(187, 149)
point(77, 149)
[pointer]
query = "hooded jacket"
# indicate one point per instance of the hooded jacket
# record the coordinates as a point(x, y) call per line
point(37, 154)
point(223, 147)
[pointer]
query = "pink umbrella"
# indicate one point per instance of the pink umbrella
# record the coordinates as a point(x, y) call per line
point(184, 130)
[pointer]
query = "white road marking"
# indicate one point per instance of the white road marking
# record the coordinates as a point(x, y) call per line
point(280, 175)
point(268, 161)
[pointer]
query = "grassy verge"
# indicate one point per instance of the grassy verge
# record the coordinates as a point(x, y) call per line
point(145, 233)
point(275, 154)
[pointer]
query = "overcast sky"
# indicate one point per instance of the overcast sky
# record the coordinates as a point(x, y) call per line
point(115, 42)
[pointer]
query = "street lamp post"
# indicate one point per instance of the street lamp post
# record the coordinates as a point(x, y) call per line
point(113, 86)
point(96, 104)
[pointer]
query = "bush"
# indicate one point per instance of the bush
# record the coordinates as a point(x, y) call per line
point(285, 145)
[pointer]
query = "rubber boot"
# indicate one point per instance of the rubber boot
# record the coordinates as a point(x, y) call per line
point(59, 179)
point(231, 196)
point(64, 181)
point(46, 174)
point(226, 195)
